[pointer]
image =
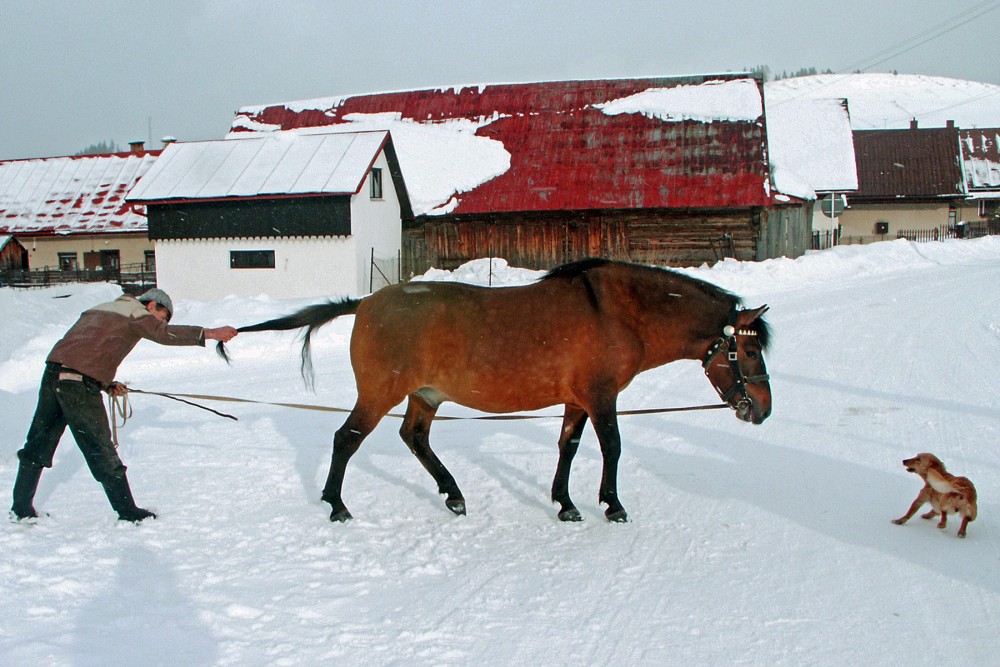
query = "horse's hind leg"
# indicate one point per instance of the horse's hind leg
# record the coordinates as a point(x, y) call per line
point(605, 420)
point(415, 432)
point(574, 419)
point(346, 442)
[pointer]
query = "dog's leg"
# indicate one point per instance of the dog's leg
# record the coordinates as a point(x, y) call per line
point(910, 512)
point(943, 523)
point(929, 515)
point(961, 529)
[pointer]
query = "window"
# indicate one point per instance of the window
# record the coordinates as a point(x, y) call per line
point(68, 261)
point(150, 257)
point(376, 180)
point(989, 207)
point(251, 259)
point(882, 227)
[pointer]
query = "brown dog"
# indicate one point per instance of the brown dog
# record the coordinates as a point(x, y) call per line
point(945, 492)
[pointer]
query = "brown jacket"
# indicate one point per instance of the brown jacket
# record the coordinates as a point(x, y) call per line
point(105, 334)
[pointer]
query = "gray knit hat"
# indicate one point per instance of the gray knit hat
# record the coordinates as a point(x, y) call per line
point(157, 295)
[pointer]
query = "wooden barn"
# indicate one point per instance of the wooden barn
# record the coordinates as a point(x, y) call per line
point(13, 255)
point(672, 171)
point(71, 214)
point(283, 214)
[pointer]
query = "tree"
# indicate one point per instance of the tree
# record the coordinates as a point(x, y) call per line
point(99, 148)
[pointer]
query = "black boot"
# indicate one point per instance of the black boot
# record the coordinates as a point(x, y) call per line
point(24, 491)
point(120, 496)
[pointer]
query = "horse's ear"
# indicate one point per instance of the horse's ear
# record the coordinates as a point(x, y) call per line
point(747, 317)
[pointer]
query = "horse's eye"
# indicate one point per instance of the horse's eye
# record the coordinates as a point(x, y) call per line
point(752, 355)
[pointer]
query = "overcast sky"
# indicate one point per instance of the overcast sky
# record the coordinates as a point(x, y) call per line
point(77, 72)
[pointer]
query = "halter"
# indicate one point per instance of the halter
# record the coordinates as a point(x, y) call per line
point(740, 381)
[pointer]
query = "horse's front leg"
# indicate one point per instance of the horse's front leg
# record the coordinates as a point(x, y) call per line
point(415, 432)
point(346, 442)
point(605, 420)
point(574, 419)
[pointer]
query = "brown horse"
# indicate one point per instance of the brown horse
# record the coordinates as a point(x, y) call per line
point(577, 337)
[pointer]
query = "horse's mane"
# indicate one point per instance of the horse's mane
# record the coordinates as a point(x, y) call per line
point(714, 292)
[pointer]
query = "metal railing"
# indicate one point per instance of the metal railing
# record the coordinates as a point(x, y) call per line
point(133, 278)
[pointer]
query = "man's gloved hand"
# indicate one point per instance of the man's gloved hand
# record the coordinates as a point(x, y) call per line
point(117, 389)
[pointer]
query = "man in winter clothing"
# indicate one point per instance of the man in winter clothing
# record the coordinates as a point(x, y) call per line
point(79, 366)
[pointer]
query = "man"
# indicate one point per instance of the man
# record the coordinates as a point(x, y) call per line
point(79, 366)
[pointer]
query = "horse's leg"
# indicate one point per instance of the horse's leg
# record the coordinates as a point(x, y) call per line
point(574, 419)
point(346, 442)
point(605, 420)
point(415, 432)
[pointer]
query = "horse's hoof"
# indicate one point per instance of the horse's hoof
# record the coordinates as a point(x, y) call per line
point(457, 506)
point(617, 516)
point(570, 515)
point(340, 516)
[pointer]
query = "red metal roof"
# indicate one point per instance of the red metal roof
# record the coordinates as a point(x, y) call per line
point(566, 154)
point(72, 195)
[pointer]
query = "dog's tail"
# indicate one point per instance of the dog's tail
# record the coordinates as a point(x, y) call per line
point(310, 317)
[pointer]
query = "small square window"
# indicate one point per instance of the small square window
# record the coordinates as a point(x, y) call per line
point(251, 259)
point(68, 261)
point(376, 181)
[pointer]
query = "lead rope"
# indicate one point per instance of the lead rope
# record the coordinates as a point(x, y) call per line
point(325, 408)
point(119, 408)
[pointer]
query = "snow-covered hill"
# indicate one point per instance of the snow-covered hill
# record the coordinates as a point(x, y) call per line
point(886, 101)
point(768, 545)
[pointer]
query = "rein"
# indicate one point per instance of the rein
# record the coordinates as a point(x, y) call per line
point(117, 408)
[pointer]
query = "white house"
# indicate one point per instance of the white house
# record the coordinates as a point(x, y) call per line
point(284, 214)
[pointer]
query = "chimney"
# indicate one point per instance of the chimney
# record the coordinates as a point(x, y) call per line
point(168, 140)
point(950, 124)
point(137, 147)
point(913, 123)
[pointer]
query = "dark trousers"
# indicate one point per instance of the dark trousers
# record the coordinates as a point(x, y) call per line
point(64, 400)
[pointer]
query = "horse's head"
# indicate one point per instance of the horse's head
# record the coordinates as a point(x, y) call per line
point(734, 364)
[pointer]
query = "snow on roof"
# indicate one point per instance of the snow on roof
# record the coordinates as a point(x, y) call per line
point(280, 163)
point(890, 101)
point(72, 195)
point(981, 158)
point(667, 142)
point(810, 147)
point(707, 102)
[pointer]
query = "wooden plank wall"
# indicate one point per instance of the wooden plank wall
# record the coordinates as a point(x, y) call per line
point(661, 237)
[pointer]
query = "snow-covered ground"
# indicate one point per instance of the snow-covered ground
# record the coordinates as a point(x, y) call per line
point(766, 545)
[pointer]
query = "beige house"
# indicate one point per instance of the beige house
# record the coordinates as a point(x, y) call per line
point(910, 183)
point(70, 213)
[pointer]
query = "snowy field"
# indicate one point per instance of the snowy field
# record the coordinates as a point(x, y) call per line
point(747, 545)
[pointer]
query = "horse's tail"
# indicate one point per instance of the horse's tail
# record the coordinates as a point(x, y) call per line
point(310, 317)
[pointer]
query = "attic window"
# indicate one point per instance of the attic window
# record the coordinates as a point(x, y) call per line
point(376, 181)
point(251, 259)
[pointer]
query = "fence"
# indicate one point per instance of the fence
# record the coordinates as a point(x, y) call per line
point(383, 272)
point(962, 230)
point(132, 278)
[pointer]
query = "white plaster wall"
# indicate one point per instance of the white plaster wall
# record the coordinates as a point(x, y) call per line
point(375, 223)
point(304, 267)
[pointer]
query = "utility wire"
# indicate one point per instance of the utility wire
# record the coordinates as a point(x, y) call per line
point(905, 45)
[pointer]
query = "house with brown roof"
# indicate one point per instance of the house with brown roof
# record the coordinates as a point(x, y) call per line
point(909, 180)
point(70, 213)
point(666, 170)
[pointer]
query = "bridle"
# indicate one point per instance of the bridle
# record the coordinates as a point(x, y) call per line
point(727, 341)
